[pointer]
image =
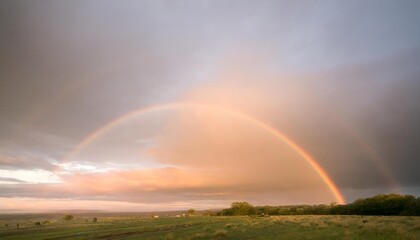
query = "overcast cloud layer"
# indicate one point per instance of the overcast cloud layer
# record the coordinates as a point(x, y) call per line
point(340, 78)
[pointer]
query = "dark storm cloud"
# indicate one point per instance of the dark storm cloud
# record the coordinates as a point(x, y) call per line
point(377, 105)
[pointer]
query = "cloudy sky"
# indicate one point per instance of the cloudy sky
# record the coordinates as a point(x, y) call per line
point(158, 105)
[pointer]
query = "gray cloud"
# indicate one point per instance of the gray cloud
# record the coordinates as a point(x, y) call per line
point(12, 180)
point(339, 77)
point(7, 162)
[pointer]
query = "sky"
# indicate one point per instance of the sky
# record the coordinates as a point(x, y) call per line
point(164, 105)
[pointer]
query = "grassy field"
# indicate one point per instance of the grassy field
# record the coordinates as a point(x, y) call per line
point(277, 227)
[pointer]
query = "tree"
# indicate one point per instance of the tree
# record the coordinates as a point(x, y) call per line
point(191, 212)
point(68, 217)
point(242, 208)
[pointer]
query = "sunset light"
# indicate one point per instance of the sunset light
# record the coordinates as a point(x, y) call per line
point(208, 120)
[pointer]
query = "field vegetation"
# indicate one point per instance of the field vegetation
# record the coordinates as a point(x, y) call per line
point(240, 221)
point(215, 227)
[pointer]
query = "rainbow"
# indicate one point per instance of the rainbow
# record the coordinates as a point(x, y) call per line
point(279, 135)
point(374, 157)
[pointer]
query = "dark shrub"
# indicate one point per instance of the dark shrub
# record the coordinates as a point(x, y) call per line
point(68, 217)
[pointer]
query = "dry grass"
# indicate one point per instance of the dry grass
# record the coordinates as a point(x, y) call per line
point(210, 228)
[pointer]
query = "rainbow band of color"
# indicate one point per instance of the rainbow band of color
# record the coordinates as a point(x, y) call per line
point(279, 135)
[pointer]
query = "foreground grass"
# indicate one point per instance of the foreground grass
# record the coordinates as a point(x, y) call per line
point(277, 227)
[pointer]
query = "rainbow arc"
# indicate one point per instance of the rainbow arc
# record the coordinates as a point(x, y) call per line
point(180, 105)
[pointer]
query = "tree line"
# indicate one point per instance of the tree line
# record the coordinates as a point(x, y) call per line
point(387, 205)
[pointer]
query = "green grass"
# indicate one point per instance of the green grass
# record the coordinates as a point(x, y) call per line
point(170, 228)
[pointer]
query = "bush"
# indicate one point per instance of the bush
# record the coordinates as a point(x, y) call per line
point(68, 217)
point(191, 212)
